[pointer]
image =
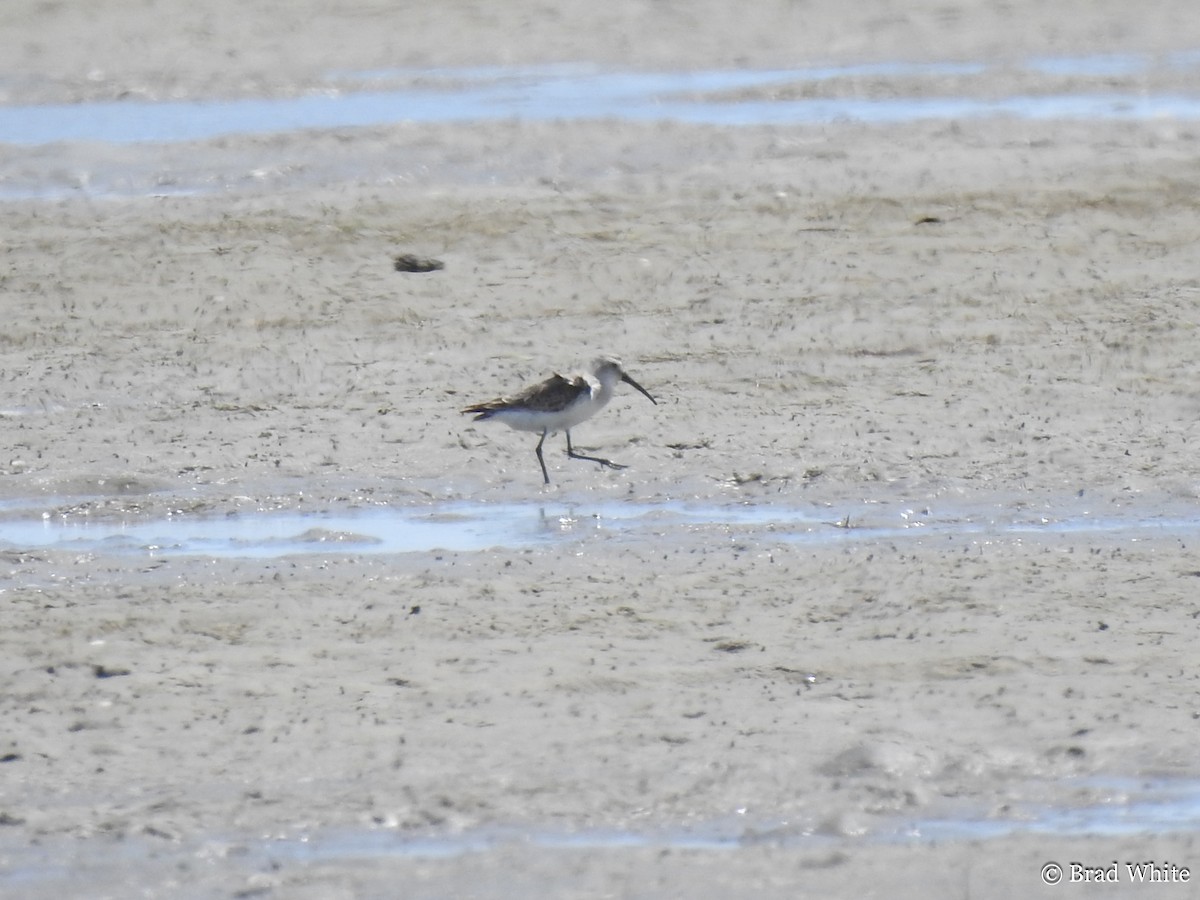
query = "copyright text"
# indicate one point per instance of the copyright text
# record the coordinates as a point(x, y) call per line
point(1147, 872)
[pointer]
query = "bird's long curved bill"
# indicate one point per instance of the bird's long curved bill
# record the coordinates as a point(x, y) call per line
point(629, 381)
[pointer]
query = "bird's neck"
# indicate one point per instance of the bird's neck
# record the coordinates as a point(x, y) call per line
point(608, 384)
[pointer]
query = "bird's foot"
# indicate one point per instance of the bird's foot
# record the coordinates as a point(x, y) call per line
point(596, 459)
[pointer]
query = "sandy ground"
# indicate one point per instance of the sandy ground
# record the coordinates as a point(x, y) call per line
point(980, 315)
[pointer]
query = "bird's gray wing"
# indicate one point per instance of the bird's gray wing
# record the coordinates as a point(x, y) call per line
point(555, 393)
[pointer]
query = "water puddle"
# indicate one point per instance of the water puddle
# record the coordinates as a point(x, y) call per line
point(1126, 809)
point(139, 147)
point(1133, 807)
point(458, 526)
point(573, 93)
point(452, 526)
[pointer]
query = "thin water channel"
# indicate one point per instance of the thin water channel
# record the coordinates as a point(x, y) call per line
point(473, 526)
point(1126, 808)
point(1138, 806)
point(141, 145)
point(717, 97)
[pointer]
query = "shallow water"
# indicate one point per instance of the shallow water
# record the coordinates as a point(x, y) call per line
point(1136, 806)
point(462, 526)
point(649, 98)
point(1127, 807)
point(356, 99)
point(138, 147)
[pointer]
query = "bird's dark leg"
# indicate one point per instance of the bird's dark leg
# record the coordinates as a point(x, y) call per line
point(542, 462)
point(596, 459)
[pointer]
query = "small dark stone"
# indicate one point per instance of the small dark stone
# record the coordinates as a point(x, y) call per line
point(732, 646)
point(410, 262)
point(105, 672)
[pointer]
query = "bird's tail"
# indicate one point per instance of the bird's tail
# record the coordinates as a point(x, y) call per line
point(480, 411)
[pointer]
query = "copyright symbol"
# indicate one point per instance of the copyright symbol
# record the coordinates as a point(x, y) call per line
point(1052, 873)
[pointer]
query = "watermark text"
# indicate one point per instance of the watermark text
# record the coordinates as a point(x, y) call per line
point(1148, 871)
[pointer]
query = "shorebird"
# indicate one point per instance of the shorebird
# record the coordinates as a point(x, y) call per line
point(559, 404)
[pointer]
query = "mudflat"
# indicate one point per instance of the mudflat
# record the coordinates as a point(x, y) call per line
point(866, 327)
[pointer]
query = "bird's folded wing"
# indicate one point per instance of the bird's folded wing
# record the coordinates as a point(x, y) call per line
point(553, 394)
